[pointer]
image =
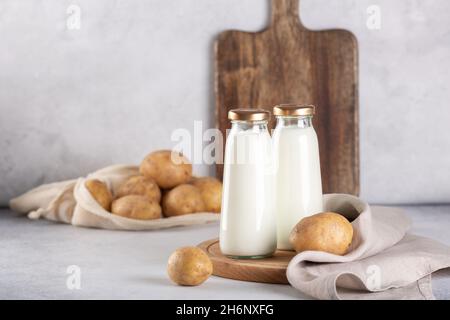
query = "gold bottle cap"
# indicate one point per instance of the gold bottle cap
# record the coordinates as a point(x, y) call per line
point(294, 110)
point(248, 115)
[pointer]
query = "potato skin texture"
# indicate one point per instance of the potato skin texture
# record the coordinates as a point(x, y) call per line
point(327, 231)
point(189, 266)
point(140, 185)
point(183, 199)
point(158, 165)
point(100, 193)
point(136, 207)
point(211, 191)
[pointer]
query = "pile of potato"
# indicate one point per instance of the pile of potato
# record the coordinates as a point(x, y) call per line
point(164, 188)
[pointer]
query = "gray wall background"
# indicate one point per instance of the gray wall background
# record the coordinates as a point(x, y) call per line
point(72, 101)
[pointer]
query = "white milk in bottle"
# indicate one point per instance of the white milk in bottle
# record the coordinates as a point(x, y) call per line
point(248, 222)
point(298, 181)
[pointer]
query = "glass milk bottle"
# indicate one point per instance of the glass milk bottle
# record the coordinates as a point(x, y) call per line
point(248, 221)
point(297, 180)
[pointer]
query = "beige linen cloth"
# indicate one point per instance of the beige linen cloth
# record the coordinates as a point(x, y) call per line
point(70, 202)
point(384, 262)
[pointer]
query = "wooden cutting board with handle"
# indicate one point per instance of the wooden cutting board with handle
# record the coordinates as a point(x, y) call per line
point(287, 63)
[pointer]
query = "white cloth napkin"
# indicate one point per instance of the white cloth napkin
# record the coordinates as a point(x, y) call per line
point(383, 262)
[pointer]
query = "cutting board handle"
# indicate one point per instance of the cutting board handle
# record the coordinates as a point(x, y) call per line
point(283, 10)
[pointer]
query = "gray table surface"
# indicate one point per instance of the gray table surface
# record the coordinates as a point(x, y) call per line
point(34, 256)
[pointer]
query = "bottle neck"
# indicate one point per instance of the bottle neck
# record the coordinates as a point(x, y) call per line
point(255, 126)
point(294, 122)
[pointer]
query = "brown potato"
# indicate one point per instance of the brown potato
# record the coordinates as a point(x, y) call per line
point(142, 186)
point(159, 166)
point(211, 191)
point(181, 200)
point(100, 193)
point(326, 231)
point(189, 266)
point(136, 207)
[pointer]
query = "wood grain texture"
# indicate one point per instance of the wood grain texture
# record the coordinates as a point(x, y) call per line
point(269, 270)
point(287, 63)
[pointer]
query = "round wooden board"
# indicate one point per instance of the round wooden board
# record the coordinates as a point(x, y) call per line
point(268, 270)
